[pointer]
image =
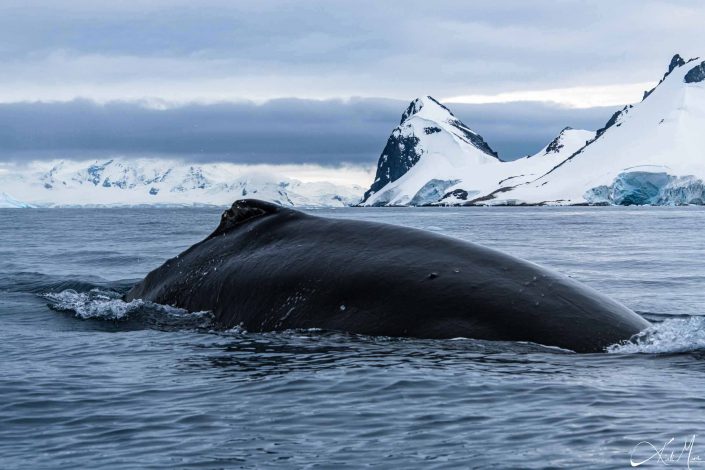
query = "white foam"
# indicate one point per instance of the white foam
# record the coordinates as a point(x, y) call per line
point(235, 330)
point(108, 305)
point(670, 336)
point(94, 304)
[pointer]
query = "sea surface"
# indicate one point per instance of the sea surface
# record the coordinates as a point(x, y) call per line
point(88, 381)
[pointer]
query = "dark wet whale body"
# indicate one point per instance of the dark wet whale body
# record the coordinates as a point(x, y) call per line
point(271, 268)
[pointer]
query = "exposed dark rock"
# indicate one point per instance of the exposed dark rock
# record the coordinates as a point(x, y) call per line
point(398, 156)
point(490, 196)
point(402, 150)
point(555, 146)
point(158, 178)
point(107, 183)
point(458, 194)
point(473, 138)
point(696, 74)
point(510, 178)
point(611, 122)
point(676, 62)
point(464, 132)
point(417, 105)
point(95, 172)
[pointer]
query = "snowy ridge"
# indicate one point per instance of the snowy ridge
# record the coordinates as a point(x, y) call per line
point(652, 152)
point(118, 182)
point(433, 158)
point(522, 170)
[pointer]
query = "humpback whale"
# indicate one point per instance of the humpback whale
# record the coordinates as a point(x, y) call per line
point(268, 268)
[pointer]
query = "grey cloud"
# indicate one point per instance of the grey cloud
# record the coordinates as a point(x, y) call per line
point(365, 47)
point(327, 132)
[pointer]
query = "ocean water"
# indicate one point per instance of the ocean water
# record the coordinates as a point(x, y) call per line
point(88, 381)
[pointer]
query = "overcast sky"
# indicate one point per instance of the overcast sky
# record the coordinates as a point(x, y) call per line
point(319, 81)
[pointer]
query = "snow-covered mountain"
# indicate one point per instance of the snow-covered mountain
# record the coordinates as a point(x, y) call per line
point(522, 170)
point(119, 182)
point(652, 152)
point(433, 158)
point(424, 155)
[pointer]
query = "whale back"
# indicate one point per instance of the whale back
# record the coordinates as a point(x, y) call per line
point(272, 268)
point(242, 211)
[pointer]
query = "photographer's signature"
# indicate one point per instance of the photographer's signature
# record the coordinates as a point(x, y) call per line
point(670, 453)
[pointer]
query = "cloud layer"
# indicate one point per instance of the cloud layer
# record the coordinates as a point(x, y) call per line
point(329, 132)
point(82, 79)
point(223, 50)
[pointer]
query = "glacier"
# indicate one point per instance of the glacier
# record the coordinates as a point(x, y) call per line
point(649, 188)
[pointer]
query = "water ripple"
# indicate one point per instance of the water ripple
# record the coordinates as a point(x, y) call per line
point(90, 381)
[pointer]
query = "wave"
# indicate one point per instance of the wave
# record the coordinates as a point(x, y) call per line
point(37, 283)
point(674, 335)
point(96, 303)
point(106, 304)
point(101, 300)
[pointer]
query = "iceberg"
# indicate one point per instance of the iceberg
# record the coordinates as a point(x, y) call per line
point(642, 188)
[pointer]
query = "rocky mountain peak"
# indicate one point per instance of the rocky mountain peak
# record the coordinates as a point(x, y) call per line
point(676, 61)
point(427, 103)
point(556, 144)
point(426, 127)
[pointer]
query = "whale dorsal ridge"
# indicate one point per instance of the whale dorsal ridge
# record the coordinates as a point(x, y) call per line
point(241, 211)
